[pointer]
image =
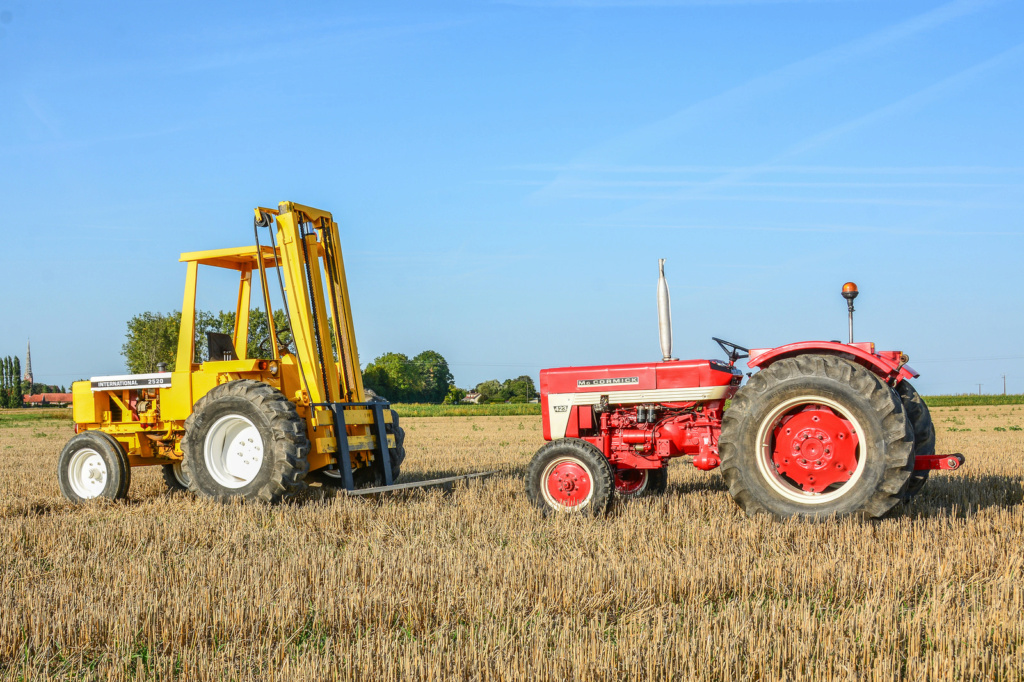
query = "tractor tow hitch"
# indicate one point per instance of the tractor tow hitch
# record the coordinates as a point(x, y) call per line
point(946, 462)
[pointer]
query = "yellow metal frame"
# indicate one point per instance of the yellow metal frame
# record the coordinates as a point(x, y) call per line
point(315, 291)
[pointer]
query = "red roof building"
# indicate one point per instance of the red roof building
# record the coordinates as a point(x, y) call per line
point(44, 399)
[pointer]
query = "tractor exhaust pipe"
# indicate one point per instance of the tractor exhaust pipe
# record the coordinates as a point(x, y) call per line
point(664, 314)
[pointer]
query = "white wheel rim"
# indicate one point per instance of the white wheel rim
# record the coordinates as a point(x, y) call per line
point(766, 466)
point(179, 475)
point(233, 451)
point(546, 494)
point(87, 473)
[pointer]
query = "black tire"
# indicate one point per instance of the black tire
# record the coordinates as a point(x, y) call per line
point(881, 464)
point(924, 433)
point(276, 465)
point(82, 477)
point(175, 477)
point(653, 482)
point(594, 476)
point(367, 477)
point(398, 452)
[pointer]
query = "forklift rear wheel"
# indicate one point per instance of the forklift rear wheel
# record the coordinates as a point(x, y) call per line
point(93, 465)
point(570, 475)
point(815, 436)
point(244, 439)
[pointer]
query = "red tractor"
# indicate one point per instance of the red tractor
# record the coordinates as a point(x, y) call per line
point(823, 428)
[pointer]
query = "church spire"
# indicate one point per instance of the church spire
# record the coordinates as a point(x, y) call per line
point(28, 363)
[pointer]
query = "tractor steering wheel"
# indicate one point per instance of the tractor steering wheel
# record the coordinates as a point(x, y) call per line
point(732, 351)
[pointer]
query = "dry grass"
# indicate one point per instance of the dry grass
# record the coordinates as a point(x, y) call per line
point(475, 585)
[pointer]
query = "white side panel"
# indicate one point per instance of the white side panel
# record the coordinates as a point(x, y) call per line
point(560, 404)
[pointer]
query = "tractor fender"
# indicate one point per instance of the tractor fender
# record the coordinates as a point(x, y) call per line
point(891, 370)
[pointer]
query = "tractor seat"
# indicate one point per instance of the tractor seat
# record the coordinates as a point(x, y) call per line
point(221, 346)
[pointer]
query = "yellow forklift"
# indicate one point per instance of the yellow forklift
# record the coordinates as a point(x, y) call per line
point(236, 426)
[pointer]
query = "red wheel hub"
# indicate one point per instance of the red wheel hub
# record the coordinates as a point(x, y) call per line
point(815, 448)
point(629, 481)
point(569, 484)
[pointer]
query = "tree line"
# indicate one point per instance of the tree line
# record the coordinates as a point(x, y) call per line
point(13, 388)
point(152, 338)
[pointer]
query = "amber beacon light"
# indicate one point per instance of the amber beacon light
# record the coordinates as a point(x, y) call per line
point(849, 293)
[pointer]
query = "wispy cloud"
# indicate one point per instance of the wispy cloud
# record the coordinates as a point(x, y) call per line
point(710, 228)
point(765, 168)
point(661, 3)
point(659, 132)
point(774, 198)
point(904, 105)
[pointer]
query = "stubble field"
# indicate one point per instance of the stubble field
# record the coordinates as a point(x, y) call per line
point(476, 585)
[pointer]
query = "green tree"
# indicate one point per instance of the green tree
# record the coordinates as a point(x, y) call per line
point(454, 396)
point(518, 390)
point(392, 376)
point(433, 377)
point(18, 397)
point(490, 391)
point(153, 337)
point(5, 382)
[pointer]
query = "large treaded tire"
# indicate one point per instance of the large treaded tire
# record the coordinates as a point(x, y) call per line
point(284, 442)
point(924, 433)
point(586, 460)
point(885, 451)
point(116, 471)
point(174, 477)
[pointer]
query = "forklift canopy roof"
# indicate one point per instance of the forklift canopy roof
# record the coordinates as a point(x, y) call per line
point(238, 258)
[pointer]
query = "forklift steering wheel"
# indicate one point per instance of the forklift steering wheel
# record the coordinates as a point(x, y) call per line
point(732, 351)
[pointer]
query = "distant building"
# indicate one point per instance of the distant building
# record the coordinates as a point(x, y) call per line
point(28, 363)
point(48, 400)
point(472, 397)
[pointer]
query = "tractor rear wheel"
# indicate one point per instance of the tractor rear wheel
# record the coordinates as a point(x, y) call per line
point(924, 433)
point(174, 477)
point(245, 440)
point(92, 465)
point(632, 483)
point(815, 436)
point(570, 475)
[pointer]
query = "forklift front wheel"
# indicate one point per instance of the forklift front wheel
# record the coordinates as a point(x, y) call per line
point(245, 440)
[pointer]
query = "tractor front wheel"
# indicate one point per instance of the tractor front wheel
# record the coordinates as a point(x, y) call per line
point(244, 439)
point(815, 436)
point(570, 475)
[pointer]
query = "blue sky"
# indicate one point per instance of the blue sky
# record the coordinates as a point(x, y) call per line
point(506, 174)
